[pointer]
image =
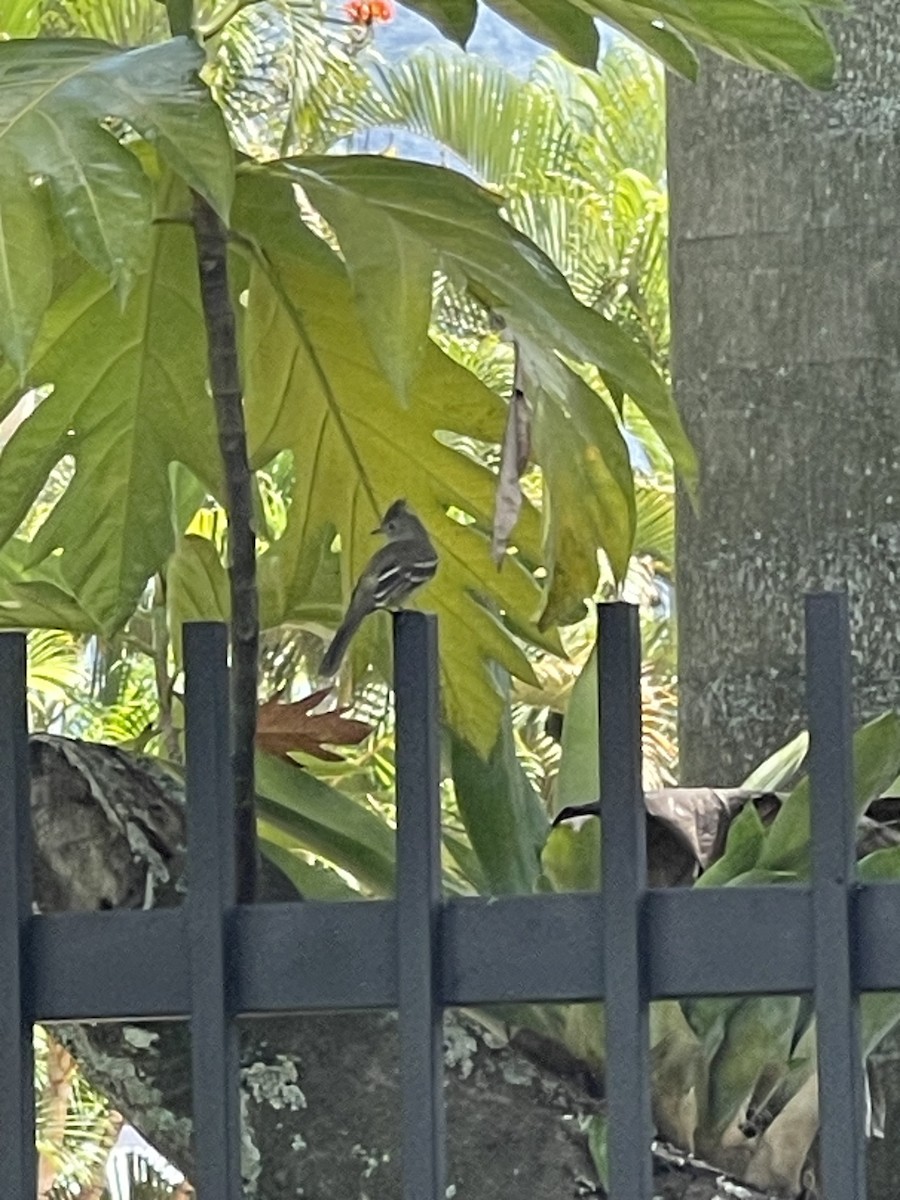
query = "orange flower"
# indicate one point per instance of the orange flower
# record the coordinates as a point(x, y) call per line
point(364, 12)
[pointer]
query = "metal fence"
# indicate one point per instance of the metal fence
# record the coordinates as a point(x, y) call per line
point(212, 961)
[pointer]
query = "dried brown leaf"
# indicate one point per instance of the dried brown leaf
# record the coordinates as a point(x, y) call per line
point(514, 455)
point(284, 728)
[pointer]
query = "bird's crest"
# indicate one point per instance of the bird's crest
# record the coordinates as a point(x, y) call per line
point(398, 507)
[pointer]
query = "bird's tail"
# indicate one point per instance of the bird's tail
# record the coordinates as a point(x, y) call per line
point(341, 640)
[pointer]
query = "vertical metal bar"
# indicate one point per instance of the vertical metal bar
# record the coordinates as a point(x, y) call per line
point(418, 901)
point(211, 894)
point(18, 1157)
point(833, 820)
point(624, 863)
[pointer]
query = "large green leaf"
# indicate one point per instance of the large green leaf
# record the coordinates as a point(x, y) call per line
point(554, 151)
point(313, 385)
point(56, 99)
point(502, 813)
point(566, 27)
point(779, 768)
point(571, 857)
point(775, 35)
point(746, 834)
point(578, 781)
point(26, 265)
point(876, 762)
point(325, 821)
point(196, 587)
point(757, 1038)
point(129, 397)
point(36, 599)
point(461, 225)
point(645, 28)
point(743, 845)
point(588, 498)
point(454, 18)
point(314, 881)
point(391, 276)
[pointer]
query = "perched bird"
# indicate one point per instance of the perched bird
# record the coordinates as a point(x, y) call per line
point(391, 575)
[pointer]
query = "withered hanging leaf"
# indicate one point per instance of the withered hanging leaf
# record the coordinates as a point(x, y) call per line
point(283, 728)
point(514, 455)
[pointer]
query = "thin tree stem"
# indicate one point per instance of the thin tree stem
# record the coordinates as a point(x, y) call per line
point(211, 238)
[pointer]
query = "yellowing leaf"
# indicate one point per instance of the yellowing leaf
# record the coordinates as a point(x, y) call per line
point(313, 385)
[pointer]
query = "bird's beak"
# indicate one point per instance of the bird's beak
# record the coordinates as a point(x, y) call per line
point(374, 531)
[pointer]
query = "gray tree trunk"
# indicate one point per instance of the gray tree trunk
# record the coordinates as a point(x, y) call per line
point(786, 333)
point(786, 360)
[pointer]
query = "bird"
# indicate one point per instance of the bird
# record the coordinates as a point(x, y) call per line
point(392, 574)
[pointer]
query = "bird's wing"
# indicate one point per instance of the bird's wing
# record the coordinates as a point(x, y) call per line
point(401, 570)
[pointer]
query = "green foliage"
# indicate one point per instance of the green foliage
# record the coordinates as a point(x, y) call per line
point(129, 398)
point(128, 391)
point(577, 157)
point(781, 767)
point(749, 1043)
point(777, 35)
point(281, 72)
point(597, 1144)
point(460, 230)
point(54, 95)
point(579, 773)
point(349, 399)
point(588, 498)
point(374, 207)
point(302, 342)
point(326, 822)
point(876, 763)
point(502, 814)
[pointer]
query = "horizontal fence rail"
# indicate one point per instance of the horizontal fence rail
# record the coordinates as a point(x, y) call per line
point(423, 952)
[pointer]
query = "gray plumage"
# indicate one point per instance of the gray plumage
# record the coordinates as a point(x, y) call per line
point(392, 574)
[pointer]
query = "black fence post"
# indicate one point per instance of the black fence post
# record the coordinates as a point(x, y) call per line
point(624, 866)
point(833, 820)
point(18, 1155)
point(210, 900)
point(418, 904)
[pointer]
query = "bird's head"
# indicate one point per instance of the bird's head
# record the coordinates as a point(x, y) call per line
point(399, 521)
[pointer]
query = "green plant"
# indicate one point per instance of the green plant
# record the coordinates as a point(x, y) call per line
point(111, 488)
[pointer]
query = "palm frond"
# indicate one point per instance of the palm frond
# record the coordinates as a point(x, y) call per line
point(621, 106)
point(122, 22)
point(283, 76)
point(495, 123)
point(56, 675)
